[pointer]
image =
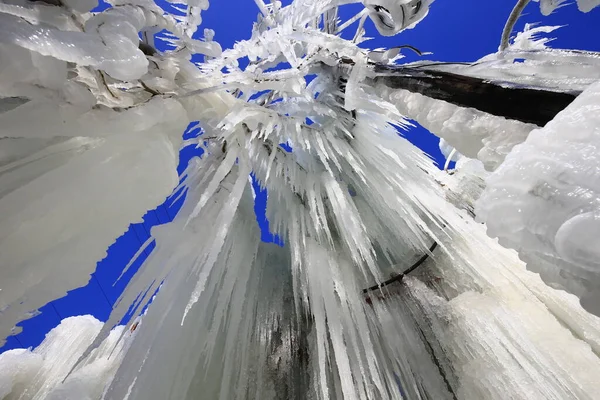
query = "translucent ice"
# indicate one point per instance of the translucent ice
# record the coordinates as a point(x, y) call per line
point(544, 200)
point(99, 173)
point(471, 132)
point(384, 287)
point(120, 57)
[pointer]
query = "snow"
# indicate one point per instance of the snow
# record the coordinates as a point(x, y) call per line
point(552, 216)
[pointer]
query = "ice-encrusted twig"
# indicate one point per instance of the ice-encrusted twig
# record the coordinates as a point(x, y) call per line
point(510, 23)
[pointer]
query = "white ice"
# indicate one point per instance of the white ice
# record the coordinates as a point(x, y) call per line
point(42, 373)
point(552, 182)
point(549, 6)
point(90, 131)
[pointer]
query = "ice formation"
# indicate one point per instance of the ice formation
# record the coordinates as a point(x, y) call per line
point(553, 218)
point(393, 16)
point(43, 373)
point(492, 137)
point(46, 181)
point(92, 114)
point(540, 66)
point(88, 139)
point(549, 6)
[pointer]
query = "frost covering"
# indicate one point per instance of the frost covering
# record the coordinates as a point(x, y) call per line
point(355, 204)
point(530, 62)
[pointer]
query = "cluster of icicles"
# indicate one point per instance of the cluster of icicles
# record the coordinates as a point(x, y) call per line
point(354, 203)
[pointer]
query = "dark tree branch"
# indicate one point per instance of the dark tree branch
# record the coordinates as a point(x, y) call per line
point(534, 106)
point(147, 49)
point(400, 276)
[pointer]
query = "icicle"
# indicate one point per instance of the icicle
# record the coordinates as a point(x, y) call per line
point(472, 132)
point(223, 224)
point(88, 171)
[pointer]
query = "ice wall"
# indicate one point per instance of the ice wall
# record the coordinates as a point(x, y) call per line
point(355, 205)
point(472, 323)
point(236, 333)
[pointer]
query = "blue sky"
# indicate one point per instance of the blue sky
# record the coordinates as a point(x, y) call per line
point(453, 31)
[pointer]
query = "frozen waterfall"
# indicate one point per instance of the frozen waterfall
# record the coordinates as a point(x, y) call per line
point(394, 279)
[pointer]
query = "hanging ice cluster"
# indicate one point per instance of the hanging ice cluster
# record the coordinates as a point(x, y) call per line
point(329, 314)
point(87, 135)
point(553, 217)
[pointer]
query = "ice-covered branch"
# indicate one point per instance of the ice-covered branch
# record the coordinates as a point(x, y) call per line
point(469, 92)
point(510, 23)
point(554, 218)
point(546, 6)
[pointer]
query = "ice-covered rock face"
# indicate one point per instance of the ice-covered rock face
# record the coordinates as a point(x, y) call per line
point(393, 16)
point(544, 200)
